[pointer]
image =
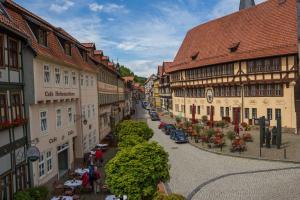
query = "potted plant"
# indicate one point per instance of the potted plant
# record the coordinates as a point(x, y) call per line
point(178, 119)
point(204, 119)
point(231, 135)
point(198, 129)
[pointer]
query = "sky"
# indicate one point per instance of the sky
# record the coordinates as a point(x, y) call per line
point(139, 34)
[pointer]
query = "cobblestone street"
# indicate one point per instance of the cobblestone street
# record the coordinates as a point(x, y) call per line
point(192, 168)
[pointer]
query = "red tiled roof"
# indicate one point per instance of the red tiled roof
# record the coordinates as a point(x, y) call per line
point(88, 45)
point(268, 29)
point(53, 51)
point(98, 52)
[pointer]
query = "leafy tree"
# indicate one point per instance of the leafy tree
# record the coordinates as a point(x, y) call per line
point(124, 71)
point(163, 196)
point(131, 127)
point(136, 171)
point(139, 79)
point(22, 195)
point(130, 141)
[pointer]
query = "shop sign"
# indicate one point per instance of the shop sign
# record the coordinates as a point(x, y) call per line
point(33, 154)
point(52, 140)
point(209, 95)
point(58, 94)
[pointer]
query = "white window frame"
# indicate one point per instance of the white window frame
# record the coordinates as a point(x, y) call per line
point(92, 81)
point(83, 112)
point(49, 160)
point(74, 79)
point(58, 126)
point(70, 115)
point(89, 111)
point(48, 70)
point(66, 77)
point(42, 163)
point(57, 71)
point(81, 79)
point(87, 80)
point(46, 118)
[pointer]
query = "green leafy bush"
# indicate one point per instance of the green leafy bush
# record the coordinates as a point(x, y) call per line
point(22, 195)
point(204, 118)
point(187, 124)
point(230, 135)
point(178, 119)
point(38, 193)
point(221, 124)
point(130, 141)
point(131, 127)
point(136, 171)
point(210, 132)
point(163, 196)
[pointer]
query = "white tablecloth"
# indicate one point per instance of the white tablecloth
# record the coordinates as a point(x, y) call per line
point(113, 197)
point(81, 171)
point(73, 183)
point(63, 198)
point(93, 152)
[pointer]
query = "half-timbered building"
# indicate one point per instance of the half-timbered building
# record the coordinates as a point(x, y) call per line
point(244, 63)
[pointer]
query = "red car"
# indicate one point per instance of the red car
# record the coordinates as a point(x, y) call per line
point(161, 125)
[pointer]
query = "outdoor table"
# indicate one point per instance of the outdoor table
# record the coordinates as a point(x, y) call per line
point(73, 183)
point(93, 152)
point(102, 146)
point(81, 171)
point(113, 197)
point(62, 198)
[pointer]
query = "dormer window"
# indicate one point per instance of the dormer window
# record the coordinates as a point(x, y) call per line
point(234, 47)
point(83, 54)
point(42, 37)
point(68, 49)
point(194, 55)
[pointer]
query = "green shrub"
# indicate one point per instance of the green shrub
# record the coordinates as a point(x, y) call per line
point(178, 119)
point(210, 132)
point(198, 129)
point(38, 193)
point(131, 127)
point(230, 135)
point(22, 195)
point(204, 118)
point(130, 141)
point(187, 124)
point(163, 196)
point(221, 124)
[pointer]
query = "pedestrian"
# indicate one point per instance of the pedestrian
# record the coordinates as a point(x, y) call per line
point(97, 181)
point(91, 176)
point(91, 160)
point(99, 157)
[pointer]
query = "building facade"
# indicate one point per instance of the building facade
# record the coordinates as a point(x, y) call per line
point(164, 88)
point(149, 89)
point(16, 57)
point(246, 72)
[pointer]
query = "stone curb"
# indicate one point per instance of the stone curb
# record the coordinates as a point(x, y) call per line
point(245, 157)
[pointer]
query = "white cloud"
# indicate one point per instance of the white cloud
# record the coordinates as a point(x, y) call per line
point(142, 67)
point(62, 6)
point(108, 8)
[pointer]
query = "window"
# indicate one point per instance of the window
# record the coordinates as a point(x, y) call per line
point(253, 91)
point(58, 118)
point(13, 53)
point(1, 50)
point(232, 90)
point(182, 108)
point(246, 90)
point(269, 90)
point(57, 76)
point(74, 78)
point(254, 113)
point(198, 110)
point(277, 113)
point(81, 80)
point(68, 49)
point(47, 74)
point(222, 111)
point(259, 66)
point(267, 65)
point(83, 112)
point(3, 108)
point(208, 110)
point(49, 161)
point(87, 81)
point(246, 113)
point(278, 90)
point(261, 90)
point(227, 111)
point(42, 37)
point(70, 115)
point(92, 81)
point(191, 109)
point(250, 66)
point(16, 106)
point(93, 109)
point(176, 107)
point(66, 78)
point(43, 121)
point(238, 91)
point(276, 64)
point(269, 113)
point(41, 165)
point(89, 111)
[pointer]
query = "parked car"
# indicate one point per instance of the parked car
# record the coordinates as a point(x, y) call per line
point(145, 104)
point(179, 136)
point(151, 111)
point(162, 125)
point(168, 128)
point(154, 117)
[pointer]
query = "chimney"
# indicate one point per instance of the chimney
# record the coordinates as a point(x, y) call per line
point(244, 4)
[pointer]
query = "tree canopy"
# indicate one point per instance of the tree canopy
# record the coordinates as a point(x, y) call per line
point(136, 171)
point(131, 127)
point(125, 71)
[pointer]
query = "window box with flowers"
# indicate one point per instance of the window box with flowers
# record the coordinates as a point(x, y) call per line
point(19, 121)
point(5, 125)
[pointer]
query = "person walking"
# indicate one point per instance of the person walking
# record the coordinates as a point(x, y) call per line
point(99, 157)
point(97, 181)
